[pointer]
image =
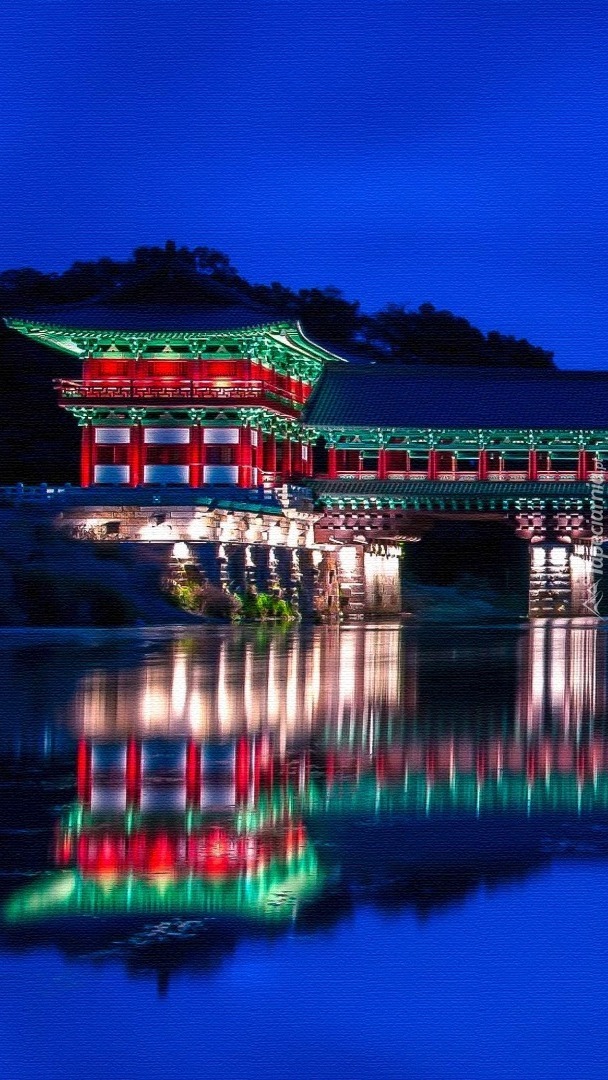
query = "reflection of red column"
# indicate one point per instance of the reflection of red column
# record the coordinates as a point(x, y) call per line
point(255, 769)
point(532, 465)
point(193, 774)
point(332, 463)
point(84, 772)
point(133, 773)
point(241, 770)
point(87, 454)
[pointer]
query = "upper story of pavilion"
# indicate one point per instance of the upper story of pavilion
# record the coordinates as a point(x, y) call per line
point(195, 405)
point(227, 399)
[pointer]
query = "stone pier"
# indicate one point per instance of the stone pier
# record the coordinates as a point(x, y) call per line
point(561, 581)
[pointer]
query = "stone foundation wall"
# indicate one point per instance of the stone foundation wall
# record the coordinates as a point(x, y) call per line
point(271, 551)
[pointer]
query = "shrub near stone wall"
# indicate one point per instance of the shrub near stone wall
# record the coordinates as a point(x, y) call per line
point(202, 598)
point(266, 607)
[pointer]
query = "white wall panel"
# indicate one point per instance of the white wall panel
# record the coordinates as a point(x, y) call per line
point(166, 474)
point(221, 436)
point(111, 474)
point(108, 436)
point(221, 474)
point(166, 436)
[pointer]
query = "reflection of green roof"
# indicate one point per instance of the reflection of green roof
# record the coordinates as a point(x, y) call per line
point(510, 792)
point(271, 895)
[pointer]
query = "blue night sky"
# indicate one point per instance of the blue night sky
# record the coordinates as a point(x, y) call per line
point(403, 150)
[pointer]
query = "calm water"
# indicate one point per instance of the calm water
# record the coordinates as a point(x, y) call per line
point(370, 852)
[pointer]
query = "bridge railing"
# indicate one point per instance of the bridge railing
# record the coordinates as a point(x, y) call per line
point(292, 496)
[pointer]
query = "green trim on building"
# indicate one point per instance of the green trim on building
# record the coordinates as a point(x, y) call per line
point(462, 439)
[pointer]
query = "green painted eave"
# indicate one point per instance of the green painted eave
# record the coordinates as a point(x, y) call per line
point(282, 346)
point(460, 438)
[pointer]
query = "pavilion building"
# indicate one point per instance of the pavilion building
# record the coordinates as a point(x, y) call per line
point(186, 406)
point(224, 398)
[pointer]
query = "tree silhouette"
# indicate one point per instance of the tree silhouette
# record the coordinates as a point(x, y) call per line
point(172, 275)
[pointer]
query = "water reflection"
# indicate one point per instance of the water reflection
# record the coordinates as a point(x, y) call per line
point(212, 687)
point(274, 779)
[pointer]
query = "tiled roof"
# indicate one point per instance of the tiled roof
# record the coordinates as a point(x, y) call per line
point(412, 396)
point(162, 317)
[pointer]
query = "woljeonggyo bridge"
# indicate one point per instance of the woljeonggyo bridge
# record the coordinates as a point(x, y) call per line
point(263, 458)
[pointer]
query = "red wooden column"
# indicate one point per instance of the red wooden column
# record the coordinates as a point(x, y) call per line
point(245, 457)
point(270, 455)
point(582, 465)
point(87, 456)
point(532, 465)
point(381, 472)
point(296, 458)
point(257, 471)
point(432, 465)
point(332, 462)
point(196, 456)
point(287, 466)
point(136, 456)
point(482, 465)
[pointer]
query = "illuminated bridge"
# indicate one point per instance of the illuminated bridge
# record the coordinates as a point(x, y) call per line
point(197, 403)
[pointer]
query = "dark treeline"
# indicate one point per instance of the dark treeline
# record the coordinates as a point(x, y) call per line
point(203, 276)
point(40, 442)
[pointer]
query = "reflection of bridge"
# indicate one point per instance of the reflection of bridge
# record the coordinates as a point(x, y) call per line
point(352, 680)
point(184, 837)
point(204, 775)
point(261, 784)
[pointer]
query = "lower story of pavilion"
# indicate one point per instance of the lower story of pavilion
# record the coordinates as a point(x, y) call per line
point(247, 448)
point(193, 454)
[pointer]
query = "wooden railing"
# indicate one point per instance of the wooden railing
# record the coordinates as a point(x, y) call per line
point(175, 390)
point(497, 476)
